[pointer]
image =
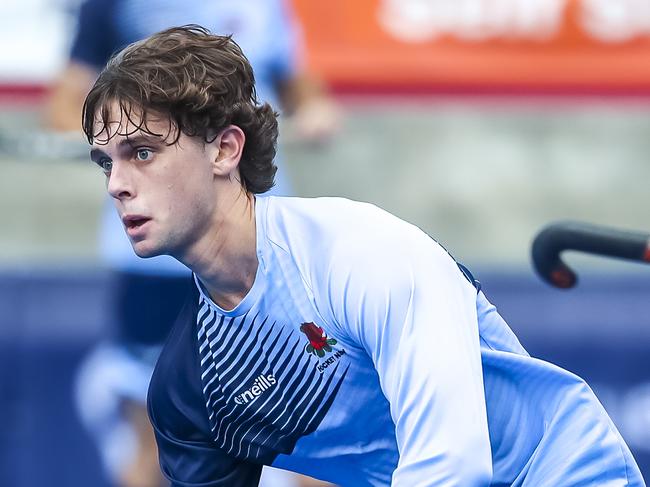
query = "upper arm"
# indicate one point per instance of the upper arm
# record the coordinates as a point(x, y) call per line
point(92, 45)
point(67, 96)
point(405, 301)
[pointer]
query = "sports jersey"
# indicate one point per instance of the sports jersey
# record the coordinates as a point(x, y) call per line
point(265, 29)
point(364, 355)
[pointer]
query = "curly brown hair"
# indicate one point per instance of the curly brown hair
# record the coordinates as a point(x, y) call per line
point(201, 82)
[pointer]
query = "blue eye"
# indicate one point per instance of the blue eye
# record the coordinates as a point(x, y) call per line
point(143, 154)
point(106, 164)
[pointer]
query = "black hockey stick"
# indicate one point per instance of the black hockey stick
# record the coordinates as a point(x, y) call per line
point(583, 237)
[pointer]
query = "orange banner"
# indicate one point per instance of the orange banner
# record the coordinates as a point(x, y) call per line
point(542, 45)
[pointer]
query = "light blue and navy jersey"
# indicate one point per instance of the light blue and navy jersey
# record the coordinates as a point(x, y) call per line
point(364, 355)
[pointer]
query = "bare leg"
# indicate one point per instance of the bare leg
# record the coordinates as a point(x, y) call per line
point(309, 482)
point(143, 470)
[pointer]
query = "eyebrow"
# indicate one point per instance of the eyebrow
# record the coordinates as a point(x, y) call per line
point(128, 142)
point(139, 140)
point(96, 155)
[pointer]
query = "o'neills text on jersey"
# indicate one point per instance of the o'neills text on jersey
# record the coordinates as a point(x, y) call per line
point(261, 384)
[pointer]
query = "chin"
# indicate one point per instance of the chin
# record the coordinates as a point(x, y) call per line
point(144, 251)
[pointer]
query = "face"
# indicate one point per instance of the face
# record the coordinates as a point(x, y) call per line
point(164, 194)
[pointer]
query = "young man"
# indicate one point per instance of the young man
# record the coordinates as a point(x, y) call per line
point(322, 336)
point(146, 295)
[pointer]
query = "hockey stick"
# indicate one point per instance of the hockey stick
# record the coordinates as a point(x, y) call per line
point(583, 237)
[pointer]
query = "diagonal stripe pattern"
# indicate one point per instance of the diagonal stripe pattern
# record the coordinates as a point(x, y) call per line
point(252, 353)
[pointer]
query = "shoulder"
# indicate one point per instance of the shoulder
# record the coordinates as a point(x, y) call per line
point(318, 223)
point(349, 249)
point(323, 232)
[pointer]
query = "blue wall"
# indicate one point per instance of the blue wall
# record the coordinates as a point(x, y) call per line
point(48, 320)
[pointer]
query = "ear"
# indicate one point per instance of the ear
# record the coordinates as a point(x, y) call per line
point(227, 147)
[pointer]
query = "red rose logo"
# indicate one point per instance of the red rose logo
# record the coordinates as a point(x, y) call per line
point(319, 343)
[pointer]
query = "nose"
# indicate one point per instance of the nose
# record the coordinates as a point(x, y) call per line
point(120, 184)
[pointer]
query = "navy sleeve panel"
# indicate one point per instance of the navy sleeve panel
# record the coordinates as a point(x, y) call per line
point(188, 456)
point(96, 37)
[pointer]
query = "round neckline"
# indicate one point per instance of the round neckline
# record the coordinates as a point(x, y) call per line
point(259, 283)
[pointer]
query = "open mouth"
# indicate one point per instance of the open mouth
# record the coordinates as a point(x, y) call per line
point(134, 222)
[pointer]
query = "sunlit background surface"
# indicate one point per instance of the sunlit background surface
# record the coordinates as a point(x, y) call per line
point(479, 121)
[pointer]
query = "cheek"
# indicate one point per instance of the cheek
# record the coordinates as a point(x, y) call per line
point(188, 201)
point(188, 187)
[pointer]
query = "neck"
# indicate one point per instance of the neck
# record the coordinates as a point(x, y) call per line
point(225, 258)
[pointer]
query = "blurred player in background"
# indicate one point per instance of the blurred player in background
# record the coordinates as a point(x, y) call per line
point(322, 335)
point(147, 294)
